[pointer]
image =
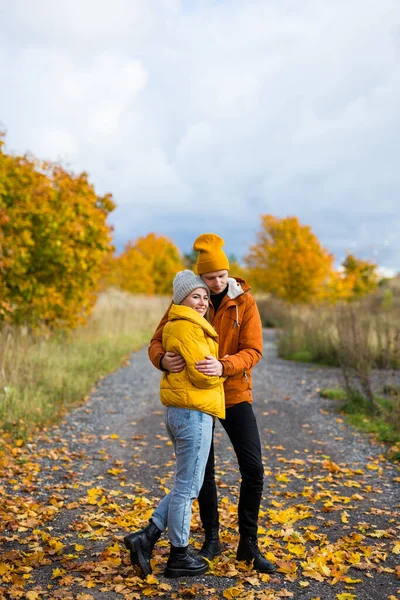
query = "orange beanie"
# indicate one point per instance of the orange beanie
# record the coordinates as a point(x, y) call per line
point(211, 256)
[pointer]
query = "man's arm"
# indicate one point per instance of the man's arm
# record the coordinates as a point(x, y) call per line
point(250, 345)
point(165, 361)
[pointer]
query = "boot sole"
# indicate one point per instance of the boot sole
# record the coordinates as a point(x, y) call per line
point(137, 559)
point(174, 573)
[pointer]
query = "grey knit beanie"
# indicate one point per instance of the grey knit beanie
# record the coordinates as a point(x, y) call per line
point(184, 283)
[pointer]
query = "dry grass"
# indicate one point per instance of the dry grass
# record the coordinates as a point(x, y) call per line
point(363, 338)
point(41, 377)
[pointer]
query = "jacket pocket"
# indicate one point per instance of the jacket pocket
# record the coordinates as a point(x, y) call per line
point(239, 383)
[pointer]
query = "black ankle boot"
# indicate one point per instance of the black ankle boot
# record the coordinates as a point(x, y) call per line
point(182, 564)
point(140, 545)
point(248, 550)
point(211, 546)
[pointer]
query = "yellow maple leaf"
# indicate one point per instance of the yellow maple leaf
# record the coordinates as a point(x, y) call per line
point(289, 568)
point(56, 544)
point(345, 596)
point(32, 595)
point(297, 549)
point(396, 548)
point(114, 471)
point(379, 533)
point(276, 504)
point(58, 572)
point(345, 517)
point(4, 568)
point(114, 436)
point(94, 492)
point(331, 466)
point(232, 592)
point(79, 547)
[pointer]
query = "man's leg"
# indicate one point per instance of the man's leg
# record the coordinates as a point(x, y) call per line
point(208, 505)
point(241, 426)
point(208, 500)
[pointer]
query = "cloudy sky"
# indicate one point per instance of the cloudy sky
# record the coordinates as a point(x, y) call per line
point(202, 115)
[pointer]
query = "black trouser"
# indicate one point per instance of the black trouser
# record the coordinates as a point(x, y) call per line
point(241, 426)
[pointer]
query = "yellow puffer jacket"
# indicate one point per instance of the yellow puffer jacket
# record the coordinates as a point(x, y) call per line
point(189, 334)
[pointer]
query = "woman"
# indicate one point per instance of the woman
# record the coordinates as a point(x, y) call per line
point(193, 400)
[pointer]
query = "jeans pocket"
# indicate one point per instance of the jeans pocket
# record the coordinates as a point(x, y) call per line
point(177, 417)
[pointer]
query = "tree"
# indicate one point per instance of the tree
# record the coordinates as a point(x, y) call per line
point(165, 260)
point(131, 272)
point(236, 269)
point(53, 240)
point(147, 266)
point(361, 276)
point(289, 261)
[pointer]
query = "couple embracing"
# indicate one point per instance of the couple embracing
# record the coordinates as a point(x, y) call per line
point(206, 364)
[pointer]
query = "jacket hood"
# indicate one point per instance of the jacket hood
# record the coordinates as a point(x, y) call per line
point(178, 311)
point(237, 287)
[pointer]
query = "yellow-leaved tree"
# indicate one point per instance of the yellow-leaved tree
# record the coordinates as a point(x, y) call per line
point(146, 266)
point(53, 241)
point(360, 277)
point(289, 261)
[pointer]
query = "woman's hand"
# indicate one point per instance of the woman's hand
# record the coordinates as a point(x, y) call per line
point(209, 366)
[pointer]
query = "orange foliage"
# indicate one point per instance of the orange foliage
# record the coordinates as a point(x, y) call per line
point(53, 240)
point(147, 266)
point(289, 261)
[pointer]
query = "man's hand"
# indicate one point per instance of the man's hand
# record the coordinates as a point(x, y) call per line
point(173, 362)
point(209, 366)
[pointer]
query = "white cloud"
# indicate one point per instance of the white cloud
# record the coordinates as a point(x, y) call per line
point(204, 115)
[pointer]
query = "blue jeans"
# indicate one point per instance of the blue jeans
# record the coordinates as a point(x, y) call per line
point(191, 433)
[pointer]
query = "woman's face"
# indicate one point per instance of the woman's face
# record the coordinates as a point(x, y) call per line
point(198, 300)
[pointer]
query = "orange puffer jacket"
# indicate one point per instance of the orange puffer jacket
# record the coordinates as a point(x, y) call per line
point(238, 325)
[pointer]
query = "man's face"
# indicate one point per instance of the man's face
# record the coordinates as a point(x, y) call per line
point(216, 280)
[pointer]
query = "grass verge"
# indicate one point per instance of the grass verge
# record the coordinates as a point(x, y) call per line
point(41, 379)
point(382, 422)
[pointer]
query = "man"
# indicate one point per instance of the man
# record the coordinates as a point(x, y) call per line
point(234, 315)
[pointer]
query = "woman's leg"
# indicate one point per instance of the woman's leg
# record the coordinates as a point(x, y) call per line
point(192, 434)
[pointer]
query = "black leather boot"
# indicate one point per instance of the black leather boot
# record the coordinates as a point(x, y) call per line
point(140, 545)
point(182, 564)
point(248, 551)
point(211, 546)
